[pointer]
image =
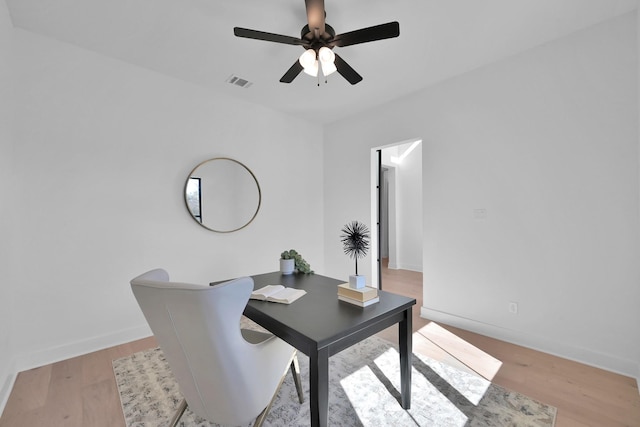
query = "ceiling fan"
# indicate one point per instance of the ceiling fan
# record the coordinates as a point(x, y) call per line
point(318, 39)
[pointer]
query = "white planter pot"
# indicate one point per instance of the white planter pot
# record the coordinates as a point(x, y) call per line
point(357, 281)
point(287, 266)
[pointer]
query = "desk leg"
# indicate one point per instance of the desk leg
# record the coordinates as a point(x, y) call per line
point(405, 342)
point(319, 387)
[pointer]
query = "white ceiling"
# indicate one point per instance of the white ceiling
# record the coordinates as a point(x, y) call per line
point(193, 40)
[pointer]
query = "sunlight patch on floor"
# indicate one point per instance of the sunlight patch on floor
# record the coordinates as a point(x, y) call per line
point(475, 359)
point(378, 401)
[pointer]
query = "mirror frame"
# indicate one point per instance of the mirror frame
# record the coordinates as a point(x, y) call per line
point(184, 195)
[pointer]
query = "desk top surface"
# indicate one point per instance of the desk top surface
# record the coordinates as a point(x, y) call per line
point(318, 317)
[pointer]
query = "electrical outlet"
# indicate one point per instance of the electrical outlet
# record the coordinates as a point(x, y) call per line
point(513, 307)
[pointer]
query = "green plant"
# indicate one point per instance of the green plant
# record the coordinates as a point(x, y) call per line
point(300, 264)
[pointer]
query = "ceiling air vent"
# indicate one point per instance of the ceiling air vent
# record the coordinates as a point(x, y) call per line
point(239, 81)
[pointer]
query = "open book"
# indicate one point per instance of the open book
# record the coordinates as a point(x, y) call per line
point(277, 293)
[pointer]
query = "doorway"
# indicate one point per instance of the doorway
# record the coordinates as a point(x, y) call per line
point(397, 208)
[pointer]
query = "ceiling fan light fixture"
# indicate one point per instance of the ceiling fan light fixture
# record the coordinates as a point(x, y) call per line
point(326, 55)
point(309, 62)
point(327, 59)
point(312, 70)
point(328, 68)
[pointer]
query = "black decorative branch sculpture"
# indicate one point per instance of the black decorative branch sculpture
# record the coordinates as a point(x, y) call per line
point(355, 239)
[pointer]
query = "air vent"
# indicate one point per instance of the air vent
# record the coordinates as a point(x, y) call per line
point(239, 81)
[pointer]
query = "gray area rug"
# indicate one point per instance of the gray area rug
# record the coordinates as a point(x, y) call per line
point(364, 391)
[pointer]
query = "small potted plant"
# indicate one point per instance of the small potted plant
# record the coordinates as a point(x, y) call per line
point(291, 261)
point(355, 239)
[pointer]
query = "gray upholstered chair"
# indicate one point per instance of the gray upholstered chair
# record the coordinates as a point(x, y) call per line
point(226, 375)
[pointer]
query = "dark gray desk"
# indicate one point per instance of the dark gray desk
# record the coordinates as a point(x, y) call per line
point(320, 325)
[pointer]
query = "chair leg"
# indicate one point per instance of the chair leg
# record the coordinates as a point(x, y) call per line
point(176, 417)
point(295, 371)
point(262, 416)
point(296, 377)
point(265, 411)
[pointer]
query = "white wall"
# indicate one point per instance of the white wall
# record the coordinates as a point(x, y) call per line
point(409, 215)
point(547, 142)
point(102, 153)
point(6, 192)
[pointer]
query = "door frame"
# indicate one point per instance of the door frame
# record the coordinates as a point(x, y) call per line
point(376, 189)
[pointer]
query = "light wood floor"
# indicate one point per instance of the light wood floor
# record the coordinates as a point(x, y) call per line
point(82, 392)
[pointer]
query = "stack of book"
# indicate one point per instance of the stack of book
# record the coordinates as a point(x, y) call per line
point(361, 297)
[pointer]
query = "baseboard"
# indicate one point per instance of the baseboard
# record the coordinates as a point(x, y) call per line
point(588, 357)
point(409, 267)
point(66, 351)
point(7, 386)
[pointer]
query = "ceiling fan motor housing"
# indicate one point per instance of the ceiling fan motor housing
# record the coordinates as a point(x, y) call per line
point(319, 41)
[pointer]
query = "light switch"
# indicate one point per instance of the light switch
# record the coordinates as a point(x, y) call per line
point(480, 214)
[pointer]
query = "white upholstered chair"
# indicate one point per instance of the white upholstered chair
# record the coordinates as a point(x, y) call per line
point(226, 375)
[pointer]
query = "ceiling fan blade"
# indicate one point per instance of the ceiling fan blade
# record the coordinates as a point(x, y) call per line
point(346, 71)
point(269, 37)
point(369, 34)
point(292, 72)
point(315, 15)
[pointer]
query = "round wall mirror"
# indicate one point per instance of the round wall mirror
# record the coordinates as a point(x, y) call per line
point(222, 195)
